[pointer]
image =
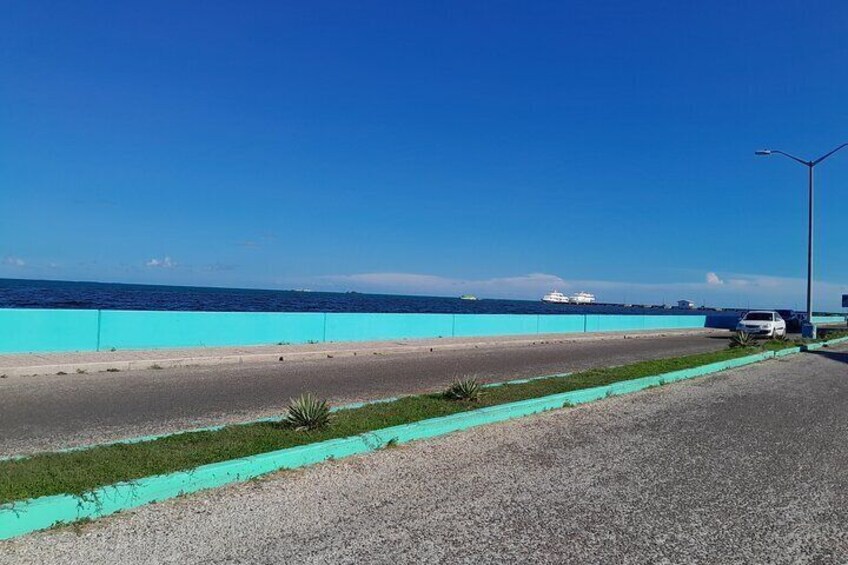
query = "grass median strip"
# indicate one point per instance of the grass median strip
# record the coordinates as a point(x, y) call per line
point(81, 471)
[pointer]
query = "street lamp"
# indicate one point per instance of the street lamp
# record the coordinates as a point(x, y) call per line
point(808, 329)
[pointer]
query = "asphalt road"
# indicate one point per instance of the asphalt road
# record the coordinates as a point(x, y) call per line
point(49, 412)
point(747, 466)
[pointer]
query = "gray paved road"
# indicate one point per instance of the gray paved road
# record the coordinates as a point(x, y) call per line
point(748, 466)
point(47, 412)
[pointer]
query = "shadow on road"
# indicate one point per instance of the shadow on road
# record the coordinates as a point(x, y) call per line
point(839, 356)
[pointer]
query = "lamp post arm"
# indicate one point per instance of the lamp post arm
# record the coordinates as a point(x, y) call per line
point(826, 155)
point(794, 158)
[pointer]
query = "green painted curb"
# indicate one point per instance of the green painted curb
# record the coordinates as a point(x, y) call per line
point(18, 518)
point(837, 340)
point(789, 351)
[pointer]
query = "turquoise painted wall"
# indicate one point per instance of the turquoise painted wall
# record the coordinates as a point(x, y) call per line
point(562, 323)
point(467, 325)
point(624, 322)
point(828, 319)
point(368, 327)
point(25, 330)
point(123, 329)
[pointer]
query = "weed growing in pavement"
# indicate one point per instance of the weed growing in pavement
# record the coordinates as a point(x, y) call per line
point(391, 444)
point(76, 526)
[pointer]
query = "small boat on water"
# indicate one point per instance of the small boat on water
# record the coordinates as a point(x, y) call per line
point(555, 297)
point(582, 298)
point(468, 297)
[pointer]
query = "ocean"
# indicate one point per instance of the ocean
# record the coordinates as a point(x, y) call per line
point(23, 293)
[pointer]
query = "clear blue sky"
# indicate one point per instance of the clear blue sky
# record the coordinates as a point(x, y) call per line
point(503, 148)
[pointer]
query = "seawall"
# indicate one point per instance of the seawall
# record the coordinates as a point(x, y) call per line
point(35, 330)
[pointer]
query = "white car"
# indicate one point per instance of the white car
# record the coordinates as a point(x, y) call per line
point(767, 323)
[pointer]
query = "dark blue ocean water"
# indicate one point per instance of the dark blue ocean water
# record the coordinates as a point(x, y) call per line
point(20, 293)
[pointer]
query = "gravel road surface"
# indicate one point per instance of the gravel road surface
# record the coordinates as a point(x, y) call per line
point(50, 412)
point(748, 466)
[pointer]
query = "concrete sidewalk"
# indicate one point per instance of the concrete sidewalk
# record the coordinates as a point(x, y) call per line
point(17, 365)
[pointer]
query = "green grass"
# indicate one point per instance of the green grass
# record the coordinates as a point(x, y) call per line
point(76, 472)
point(826, 334)
point(777, 345)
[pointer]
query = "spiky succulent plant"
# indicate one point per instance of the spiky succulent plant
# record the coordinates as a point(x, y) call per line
point(464, 389)
point(307, 413)
point(741, 339)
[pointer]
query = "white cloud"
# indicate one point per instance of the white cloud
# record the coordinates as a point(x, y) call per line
point(13, 261)
point(164, 263)
point(713, 278)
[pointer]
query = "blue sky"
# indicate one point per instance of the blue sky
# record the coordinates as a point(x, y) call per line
point(501, 148)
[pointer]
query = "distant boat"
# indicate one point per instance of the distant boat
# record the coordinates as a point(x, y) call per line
point(688, 304)
point(555, 297)
point(582, 298)
point(468, 297)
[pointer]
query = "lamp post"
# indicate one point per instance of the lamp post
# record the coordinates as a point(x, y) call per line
point(808, 329)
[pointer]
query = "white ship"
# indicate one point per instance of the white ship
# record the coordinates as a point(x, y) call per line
point(555, 297)
point(582, 298)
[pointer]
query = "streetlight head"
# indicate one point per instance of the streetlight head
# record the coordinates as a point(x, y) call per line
point(765, 152)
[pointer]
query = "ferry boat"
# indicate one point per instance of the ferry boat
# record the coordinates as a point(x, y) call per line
point(468, 297)
point(582, 298)
point(555, 297)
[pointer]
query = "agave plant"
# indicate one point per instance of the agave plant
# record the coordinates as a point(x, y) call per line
point(307, 413)
point(741, 339)
point(464, 389)
point(780, 337)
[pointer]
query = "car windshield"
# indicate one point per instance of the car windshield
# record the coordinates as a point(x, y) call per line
point(759, 316)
